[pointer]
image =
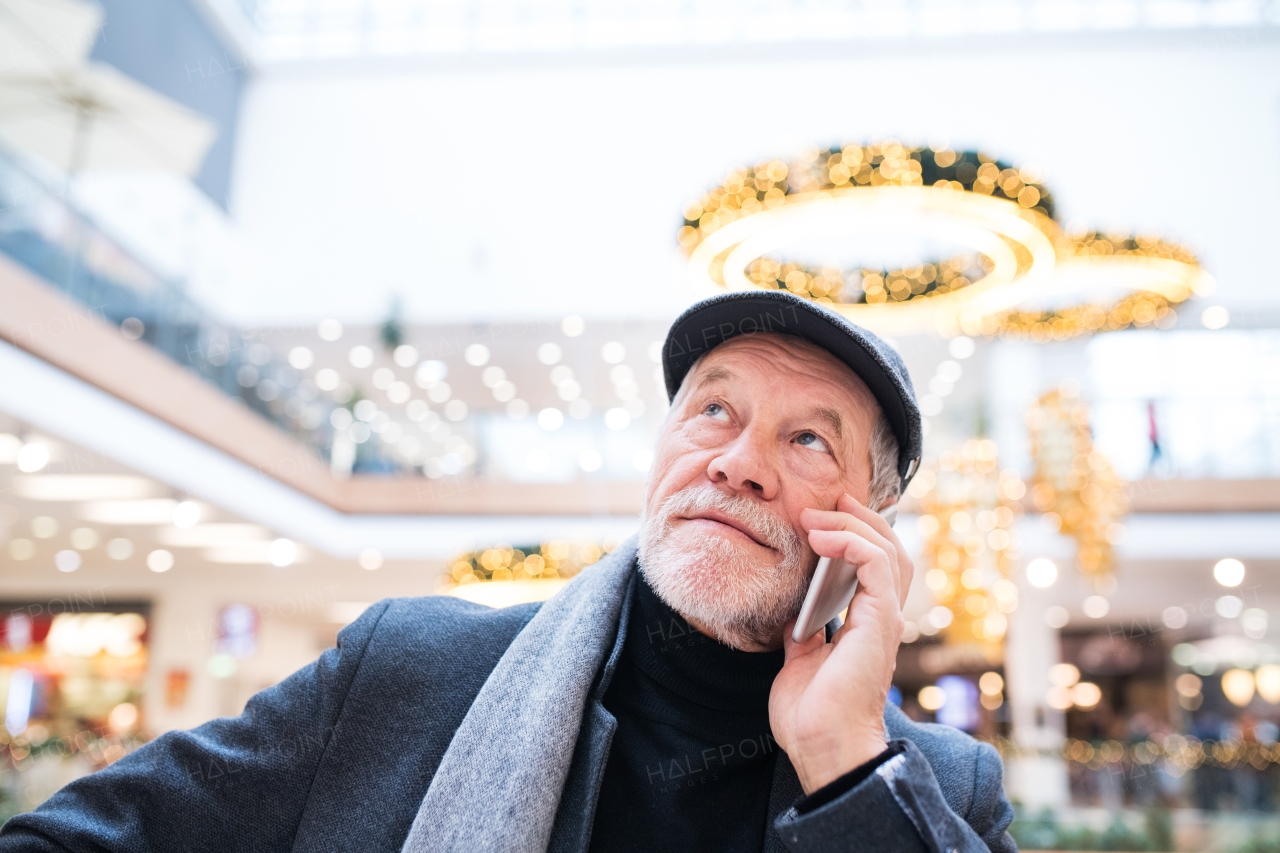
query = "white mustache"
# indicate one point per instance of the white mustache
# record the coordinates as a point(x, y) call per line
point(775, 532)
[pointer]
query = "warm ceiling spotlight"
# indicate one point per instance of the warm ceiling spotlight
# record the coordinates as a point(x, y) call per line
point(1267, 680)
point(160, 561)
point(1059, 698)
point(1095, 607)
point(32, 457)
point(66, 561)
point(282, 552)
point(300, 358)
point(360, 357)
point(1188, 684)
point(572, 326)
point(991, 683)
point(405, 355)
point(1215, 317)
point(329, 330)
point(1086, 695)
point(1041, 572)
point(932, 698)
point(1064, 674)
point(1238, 686)
point(1057, 616)
point(186, 514)
point(1174, 617)
point(119, 549)
point(550, 353)
point(1229, 572)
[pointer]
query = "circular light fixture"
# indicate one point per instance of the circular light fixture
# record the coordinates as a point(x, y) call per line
point(932, 698)
point(1229, 572)
point(1057, 616)
point(1041, 572)
point(186, 514)
point(300, 358)
point(1017, 274)
point(1063, 674)
point(991, 683)
point(590, 460)
point(1215, 317)
point(1102, 283)
point(360, 357)
point(66, 561)
point(282, 552)
point(572, 326)
point(1095, 607)
point(32, 457)
point(1267, 680)
point(1188, 685)
point(1238, 686)
point(160, 561)
point(329, 330)
point(405, 355)
point(1228, 606)
point(1086, 694)
point(1174, 617)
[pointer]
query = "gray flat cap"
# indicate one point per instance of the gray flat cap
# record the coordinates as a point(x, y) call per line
point(711, 322)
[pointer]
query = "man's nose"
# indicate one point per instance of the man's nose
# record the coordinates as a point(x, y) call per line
point(747, 465)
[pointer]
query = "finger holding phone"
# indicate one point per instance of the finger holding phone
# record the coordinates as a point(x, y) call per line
point(826, 708)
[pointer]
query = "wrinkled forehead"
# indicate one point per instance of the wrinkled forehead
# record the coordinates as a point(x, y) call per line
point(790, 358)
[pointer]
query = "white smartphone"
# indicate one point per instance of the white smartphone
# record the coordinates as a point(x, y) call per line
point(831, 589)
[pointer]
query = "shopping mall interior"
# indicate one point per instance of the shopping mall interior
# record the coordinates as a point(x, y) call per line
point(309, 303)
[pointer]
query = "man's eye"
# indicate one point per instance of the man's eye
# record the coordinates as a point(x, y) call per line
point(808, 439)
point(715, 410)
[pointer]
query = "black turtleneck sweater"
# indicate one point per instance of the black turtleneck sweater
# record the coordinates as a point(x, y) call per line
point(692, 759)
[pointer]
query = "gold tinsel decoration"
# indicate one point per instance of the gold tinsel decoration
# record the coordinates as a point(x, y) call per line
point(1075, 486)
point(968, 507)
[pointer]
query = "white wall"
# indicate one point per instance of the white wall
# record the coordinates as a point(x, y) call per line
point(484, 188)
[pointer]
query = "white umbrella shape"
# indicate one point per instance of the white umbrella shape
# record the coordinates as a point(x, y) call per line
point(45, 36)
point(95, 117)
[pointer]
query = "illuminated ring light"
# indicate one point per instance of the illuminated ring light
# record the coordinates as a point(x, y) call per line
point(1002, 214)
point(1014, 243)
point(1152, 275)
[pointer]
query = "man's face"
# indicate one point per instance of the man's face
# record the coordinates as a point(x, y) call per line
point(768, 425)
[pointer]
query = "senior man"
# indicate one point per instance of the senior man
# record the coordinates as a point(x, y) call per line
point(657, 702)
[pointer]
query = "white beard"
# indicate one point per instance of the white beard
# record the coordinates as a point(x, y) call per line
point(739, 598)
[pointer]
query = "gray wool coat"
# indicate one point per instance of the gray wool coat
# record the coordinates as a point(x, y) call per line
point(437, 724)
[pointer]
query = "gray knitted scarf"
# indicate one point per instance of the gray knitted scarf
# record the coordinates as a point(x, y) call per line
point(512, 752)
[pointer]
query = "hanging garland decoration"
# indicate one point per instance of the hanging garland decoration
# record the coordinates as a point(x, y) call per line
point(546, 561)
point(1166, 266)
point(1005, 214)
point(1075, 486)
point(772, 184)
point(968, 507)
